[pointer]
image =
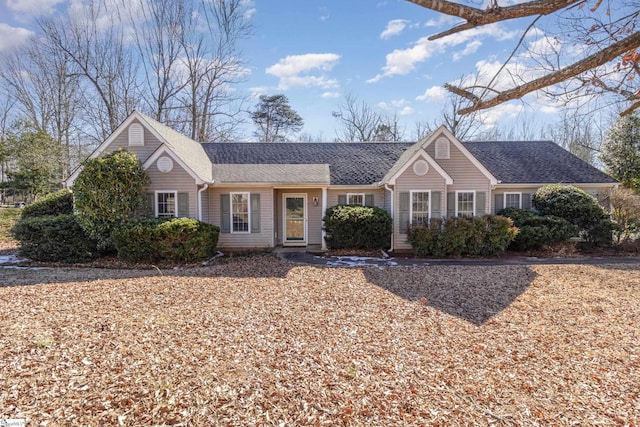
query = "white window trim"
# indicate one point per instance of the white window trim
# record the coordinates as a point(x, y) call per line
point(411, 192)
point(512, 193)
point(355, 194)
point(248, 212)
point(474, 201)
point(175, 201)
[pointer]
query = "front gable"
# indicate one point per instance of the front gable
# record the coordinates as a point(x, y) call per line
point(454, 157)
point(165, 163)
point(412, 162)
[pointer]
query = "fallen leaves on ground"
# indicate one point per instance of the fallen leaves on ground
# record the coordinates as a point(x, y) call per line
point(259, 341)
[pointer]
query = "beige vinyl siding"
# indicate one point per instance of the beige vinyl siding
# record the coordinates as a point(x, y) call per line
point(177, 180)
point(410, 181)
point(263, 239)
point(387, 202)
point(314, 214)
point(378, 195)
point(205, 207)
point(151, 144)
point(466, 176)
point(598, 192)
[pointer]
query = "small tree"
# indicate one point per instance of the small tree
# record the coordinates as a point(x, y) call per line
point(621, 151)
point(274, 118)
point(625, 211)
point(108, 192)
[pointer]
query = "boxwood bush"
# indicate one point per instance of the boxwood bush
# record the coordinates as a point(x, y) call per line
point(536, 231)
point(58, 203)
point(486, 236)
point(173, 240)
point(357, 227)
point(577, 207)
point(54, 238)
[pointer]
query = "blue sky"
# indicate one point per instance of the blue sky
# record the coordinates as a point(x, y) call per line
point(315, 52)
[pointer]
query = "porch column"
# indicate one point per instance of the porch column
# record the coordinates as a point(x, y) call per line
point(324, 209)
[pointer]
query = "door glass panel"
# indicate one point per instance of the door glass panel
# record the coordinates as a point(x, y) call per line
point(294, 218)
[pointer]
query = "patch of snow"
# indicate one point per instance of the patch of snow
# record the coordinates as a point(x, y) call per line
point(10, 259)
point(359, 261)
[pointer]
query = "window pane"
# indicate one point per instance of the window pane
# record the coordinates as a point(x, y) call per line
point(512, 200)
point(419, 207)
point(240, 212)
point(355, 199)
point(166, 204)
point(465, 204)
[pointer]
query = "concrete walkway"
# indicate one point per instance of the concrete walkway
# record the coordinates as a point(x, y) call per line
point(302, 256)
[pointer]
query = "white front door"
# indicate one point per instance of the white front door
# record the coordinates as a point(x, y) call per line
point(294, 207)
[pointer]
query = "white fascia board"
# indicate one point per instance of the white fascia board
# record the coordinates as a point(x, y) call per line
point(163, 149)
point(422, 154)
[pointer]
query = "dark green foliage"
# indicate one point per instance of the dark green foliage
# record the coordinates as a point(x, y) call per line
point(54, 238)
point(486, 236)
point(173, 240)
point(58, 203)
point(577, 207)
point(274, 118)
point(357, 227)
point(536, 231)
point(108, 192)
point(621, 151)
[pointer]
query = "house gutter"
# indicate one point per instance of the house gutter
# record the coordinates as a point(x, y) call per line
point(200, 191)
point(386, 187)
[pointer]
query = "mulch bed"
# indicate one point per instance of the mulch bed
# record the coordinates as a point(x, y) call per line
point(259, 341)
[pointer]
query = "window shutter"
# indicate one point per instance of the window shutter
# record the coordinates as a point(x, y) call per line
point(498, 201)
point(255, 213)
point(150, 204)
point(526, 201)
point(451, 205)
point(404, 212)
point(183, 204)
point(368, 199)
point(225, 213)
point(435, 205)
point(342, 199)
point(481, 202)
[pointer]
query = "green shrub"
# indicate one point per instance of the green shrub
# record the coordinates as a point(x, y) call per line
point(577, 207)
point(486, 236)
point(58, 203)
point(173, 240)
point(357, 227)
point(536, 231)
point(109, 191)
point(625, 211)
point(54, 238)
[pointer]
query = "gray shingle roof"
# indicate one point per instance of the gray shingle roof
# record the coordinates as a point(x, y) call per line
point(317, 174)
point(535, 162)
point(349, 163)
point(511, 162)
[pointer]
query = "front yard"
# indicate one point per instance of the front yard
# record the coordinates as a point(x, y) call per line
point(263, 342)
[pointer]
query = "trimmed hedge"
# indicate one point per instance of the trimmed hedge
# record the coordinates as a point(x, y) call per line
point(54, 238)
point(58, 203)
point(173, 240)
point(486, 236)
point(536, 231)
point(577, 207)
point(357, 227)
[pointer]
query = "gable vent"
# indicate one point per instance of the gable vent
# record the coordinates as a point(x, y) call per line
point(420, 167)
point(136, 134)
point(442, 148)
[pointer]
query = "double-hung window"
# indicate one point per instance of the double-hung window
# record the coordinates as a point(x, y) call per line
point(419, 207)
point(240, 212)
point(513, 200)
point(166, 204)
point(355, 199)
point(465, 203)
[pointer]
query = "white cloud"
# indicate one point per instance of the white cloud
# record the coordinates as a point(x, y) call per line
point(502, 112)
point(250, 9)
point(406, 111)
point(33, 7)
point(12, 37)
point(403, 61)
point(331, 95)
point(434, 93)
point(469, 49)
point(443, 20)
point(394, 27)
point(292, 70)
point(258, 90)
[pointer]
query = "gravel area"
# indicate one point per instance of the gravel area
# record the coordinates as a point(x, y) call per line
point(261, 341)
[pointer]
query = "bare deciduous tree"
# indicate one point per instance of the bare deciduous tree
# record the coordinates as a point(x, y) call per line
point(358, 121)
point(605, 32)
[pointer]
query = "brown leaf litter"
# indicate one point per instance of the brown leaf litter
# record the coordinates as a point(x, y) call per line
point(259, 341)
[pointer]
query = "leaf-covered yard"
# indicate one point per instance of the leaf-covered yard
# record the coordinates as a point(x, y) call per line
point(263, 342)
